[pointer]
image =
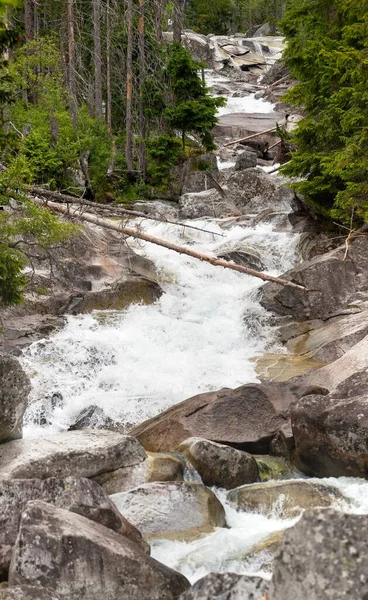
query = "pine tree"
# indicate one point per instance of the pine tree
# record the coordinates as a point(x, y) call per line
point(327, 52)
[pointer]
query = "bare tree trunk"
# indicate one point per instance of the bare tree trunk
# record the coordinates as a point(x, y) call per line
point(120, 228)
point(177, 21)
point(108, 67)
point(97, 57)
point(158, 20)
point(29, 19)
point(129, 69)
point(71, 80)
point(142, 76)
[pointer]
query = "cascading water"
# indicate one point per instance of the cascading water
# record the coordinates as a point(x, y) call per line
point(200, 335)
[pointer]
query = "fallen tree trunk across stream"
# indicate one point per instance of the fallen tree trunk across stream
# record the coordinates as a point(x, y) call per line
point(135, 233)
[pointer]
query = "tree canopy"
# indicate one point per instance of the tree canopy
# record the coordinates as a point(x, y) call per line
point(327, 52)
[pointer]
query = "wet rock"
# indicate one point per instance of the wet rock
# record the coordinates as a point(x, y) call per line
point(175, 511)
point(276, 72)
point(254, 190)
point(73, 453)
point(82, 496)
point(83, 560)
point(92, 417)
point(322, 557)
point(14, 389)
point(247, 418)
point(209, 203)
point(353, 361)
point(331, 432)
point(246, 259)
point(156, 467)
point(333, 283)
point(246, 160)
point(229, 586)
point(28, 592)
point(287, 498)
point(220, 465)
point(272, 467)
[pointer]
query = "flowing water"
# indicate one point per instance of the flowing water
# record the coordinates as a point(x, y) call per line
point(201, 335)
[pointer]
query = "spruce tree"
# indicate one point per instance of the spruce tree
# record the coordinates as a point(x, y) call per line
point(327, 46)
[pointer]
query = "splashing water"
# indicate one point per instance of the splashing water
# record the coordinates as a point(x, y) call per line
point(199, 336)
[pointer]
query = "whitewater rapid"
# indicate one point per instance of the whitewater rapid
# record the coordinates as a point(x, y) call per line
point(201, 335)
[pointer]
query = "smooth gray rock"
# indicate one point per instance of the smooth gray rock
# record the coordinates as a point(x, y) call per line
point(227, 586)
point(176, 511)
point(334, 284)
point(81, 496)
point(251, 418)
point(220, 465)
point(73, 453)
point(331, 432)
point(323, 557)
point(246, 160)
point(208, 203)
point(82, 560)
point(14, 389)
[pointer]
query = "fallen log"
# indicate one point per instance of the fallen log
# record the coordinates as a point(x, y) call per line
point(118, 210)
point(249, 137)
point(129, 232)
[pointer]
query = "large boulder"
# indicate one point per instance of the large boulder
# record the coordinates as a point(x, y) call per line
point(81, 496)
point(333, 281)
point(249, 417)
point(156, 467)
point(73, 453)
point(209, 203)
point(253, 190)
point(331, 432)
point(287, 498)
point(227, 586)
point(246, 160)
point(14, 390)
point(220, 465)
point(323, 556)
point(83, 560)
point(175, 511)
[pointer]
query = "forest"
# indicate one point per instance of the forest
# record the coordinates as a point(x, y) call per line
point(96, 102)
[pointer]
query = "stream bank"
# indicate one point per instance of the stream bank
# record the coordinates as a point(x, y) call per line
point(205, 336)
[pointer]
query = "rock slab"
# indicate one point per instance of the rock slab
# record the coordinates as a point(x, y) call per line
point(83, 560)
point(323, 556)
point(73, 453)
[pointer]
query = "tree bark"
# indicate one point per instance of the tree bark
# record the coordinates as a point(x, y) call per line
point(108, 67)
point(135, 233)
point(97, 57)
point(129, 80)
point(142, 77)
point(177, 21)
point(158, 20)
point(29, 19)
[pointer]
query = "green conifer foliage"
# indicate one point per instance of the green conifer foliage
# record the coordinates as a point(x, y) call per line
point(327, 52)
point(193, 109)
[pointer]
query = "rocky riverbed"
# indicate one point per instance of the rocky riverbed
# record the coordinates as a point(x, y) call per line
point(187, 431)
